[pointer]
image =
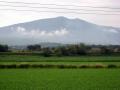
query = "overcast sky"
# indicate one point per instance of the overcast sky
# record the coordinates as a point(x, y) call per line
point(8, 17)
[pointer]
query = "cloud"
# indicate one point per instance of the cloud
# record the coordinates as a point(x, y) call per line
point(39, 33)
point(111, 30)
point(20, 29)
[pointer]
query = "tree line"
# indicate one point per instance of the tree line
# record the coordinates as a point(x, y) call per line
point(76, 50)
point(70, 50)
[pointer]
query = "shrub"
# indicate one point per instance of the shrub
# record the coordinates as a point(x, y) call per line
point(10, 66)
point(84, 66)
point(42, 66)
point(72, 66)
point(49, 66)
point(34, 66)
point(112, 66)
point(61, 66)
point(99, 66)
point(2, 66)
point(23, 66)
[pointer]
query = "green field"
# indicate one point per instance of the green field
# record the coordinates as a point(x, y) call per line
point(60, 79)
point(35, 59)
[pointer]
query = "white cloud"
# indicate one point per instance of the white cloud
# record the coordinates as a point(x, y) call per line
point(61, 32)
point(39, 33)
point(113, 31)
point(20, 29)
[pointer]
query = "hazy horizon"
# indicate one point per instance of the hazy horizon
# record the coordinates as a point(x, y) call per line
point(9, 17)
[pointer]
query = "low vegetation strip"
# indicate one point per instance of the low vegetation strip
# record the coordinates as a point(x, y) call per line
point(36, 58)
point(61, 66)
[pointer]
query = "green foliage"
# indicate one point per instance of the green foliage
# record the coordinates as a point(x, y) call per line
point(38, 58)
point(62, 66)
point(100, 66)
point(58, 52)
point(23, 66)
point(84, 66)
point(66, 50)
point(80, 50)
point(3, 48)
point(46, 52)
point(35, 47)
point(112, 66)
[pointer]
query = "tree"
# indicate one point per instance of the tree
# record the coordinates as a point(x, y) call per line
point(105, 50)
point(46, 52)
point(3, 48)
point(57, 51)
point(34, 47)
point(82, 49)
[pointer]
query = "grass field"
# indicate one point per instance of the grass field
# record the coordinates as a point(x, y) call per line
point(36, 58)
point(16, 59)
point(59, 79)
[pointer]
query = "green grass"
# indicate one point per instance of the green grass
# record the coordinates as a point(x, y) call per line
point(64, 63)
point(33, 58)
point(60, 79)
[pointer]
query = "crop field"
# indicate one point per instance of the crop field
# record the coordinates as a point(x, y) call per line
point(35, 59)
point(59, 79)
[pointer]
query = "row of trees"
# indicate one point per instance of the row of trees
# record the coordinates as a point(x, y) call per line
point(75, 50)
point(70, 50)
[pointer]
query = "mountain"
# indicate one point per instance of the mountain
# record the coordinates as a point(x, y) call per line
point(60, 30)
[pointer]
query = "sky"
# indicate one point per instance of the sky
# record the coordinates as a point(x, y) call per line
point(9, 17)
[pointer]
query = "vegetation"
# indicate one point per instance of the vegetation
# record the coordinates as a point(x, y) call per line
point(36, 61)
point(37, 58)
point(3, 48)
point(34, 47)
point(76, 50)
point(66, 50)
point(59, 79)
point(60, 66)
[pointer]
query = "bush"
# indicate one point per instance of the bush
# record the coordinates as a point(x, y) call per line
point(61, 66)
point(23, 66)
point(66, 66)
point(10, 66)
point(84, 66)
point(48, 66)
point(112, 66)
point(37, 65)
point(72, 66)
point(42, 66)
point(99, 66)
point(2, 66)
